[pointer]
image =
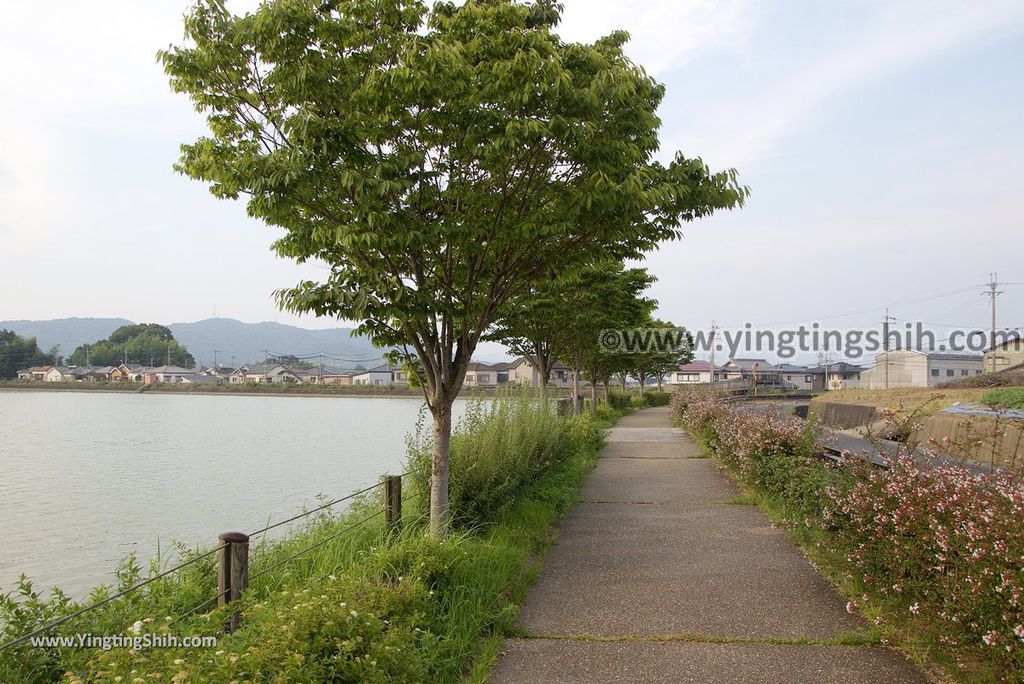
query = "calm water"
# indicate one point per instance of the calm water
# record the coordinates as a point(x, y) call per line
point(85, 478)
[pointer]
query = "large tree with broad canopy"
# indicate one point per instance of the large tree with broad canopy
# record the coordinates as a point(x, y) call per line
point(437, 159)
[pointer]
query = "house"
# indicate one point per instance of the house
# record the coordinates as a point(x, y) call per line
point(168, 374)
point(126, 373)
point(237, 376)
point(1008, 353)
point(912, 368)
point(55, 374)
point(796, 377)
point(695, 372)
point(336, 378)
point(524, 372)
point(222, 372)
point(380, 376)
point(752, 370)
point(36, 373)
point(264, 374)
point(480, 375)
point(841, 375)
point(85, 374)
point(309, 376)
point(501, 372)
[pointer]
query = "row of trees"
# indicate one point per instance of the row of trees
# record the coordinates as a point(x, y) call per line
point(445, 163)
point(18, 352)
point(142, 343)
point(563, 319)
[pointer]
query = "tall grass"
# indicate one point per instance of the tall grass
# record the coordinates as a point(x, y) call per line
point(498, 449)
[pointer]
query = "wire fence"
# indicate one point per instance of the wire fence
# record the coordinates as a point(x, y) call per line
point(232, 552)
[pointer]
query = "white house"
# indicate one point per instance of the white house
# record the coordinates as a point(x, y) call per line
point(695, 372)
point(381, 376)
point(911, 368)
point(166, 374)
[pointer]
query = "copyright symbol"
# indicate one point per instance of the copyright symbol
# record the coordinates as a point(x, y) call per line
point(611, 340)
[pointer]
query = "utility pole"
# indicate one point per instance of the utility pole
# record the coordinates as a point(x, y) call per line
point(885, 342)
point(825, 359)
point(714, 327)
point(214, 359)
point(87, 365)
point(168, 353)
point(993, 292)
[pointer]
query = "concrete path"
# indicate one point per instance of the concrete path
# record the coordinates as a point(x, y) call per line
point(657, 577)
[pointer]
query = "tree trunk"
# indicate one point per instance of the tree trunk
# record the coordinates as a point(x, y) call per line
point(643, 381)
point(593, 397)
point(622, 379)
point(659, 381)
point(439, 468)
point(607, 398)
point(575, 391)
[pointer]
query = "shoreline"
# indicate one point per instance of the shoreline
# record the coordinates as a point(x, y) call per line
point(342, 391)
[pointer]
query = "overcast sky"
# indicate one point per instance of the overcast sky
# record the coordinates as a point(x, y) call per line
point(882, 142)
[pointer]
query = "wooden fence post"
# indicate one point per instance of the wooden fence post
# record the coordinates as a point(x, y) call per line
point(232, 572)
point(393, 502)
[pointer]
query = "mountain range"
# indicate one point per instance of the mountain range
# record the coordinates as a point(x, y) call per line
point(234, 341)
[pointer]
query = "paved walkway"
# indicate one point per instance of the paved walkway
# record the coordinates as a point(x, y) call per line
point(656, 577)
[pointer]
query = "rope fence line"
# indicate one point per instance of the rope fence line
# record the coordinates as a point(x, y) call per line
point(196, 609)
point(320, 543)
point(109, 599)
point(318, 509)
point(233, 558)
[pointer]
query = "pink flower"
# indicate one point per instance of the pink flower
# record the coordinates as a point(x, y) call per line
point(915, 608)
point(991, 639)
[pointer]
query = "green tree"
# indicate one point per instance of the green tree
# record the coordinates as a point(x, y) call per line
point(439, 161)
point(606, 296)
point(145, 343)
point(660, 350)
point(532, 324)
point(18, 352)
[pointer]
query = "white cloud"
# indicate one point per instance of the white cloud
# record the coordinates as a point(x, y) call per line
point(666, 34)
point(901, 36)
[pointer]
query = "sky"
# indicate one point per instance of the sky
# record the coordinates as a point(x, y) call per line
point(882, 144)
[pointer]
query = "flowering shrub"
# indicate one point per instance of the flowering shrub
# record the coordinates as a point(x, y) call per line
point(944, 539)
point(942, 544)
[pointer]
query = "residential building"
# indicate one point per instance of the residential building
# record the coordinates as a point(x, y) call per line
point(55, 374)
point(912, 368)
point(796, 377)
point(501, 372)
point(380, 376)
point(126, 372)
point(167, 374)
point(841, 375)
point(480, 375)
point(523, 371)
point(695, 372)
point(752, 370)
point(1005, 355)
point(264, 374)
point(37, 373)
